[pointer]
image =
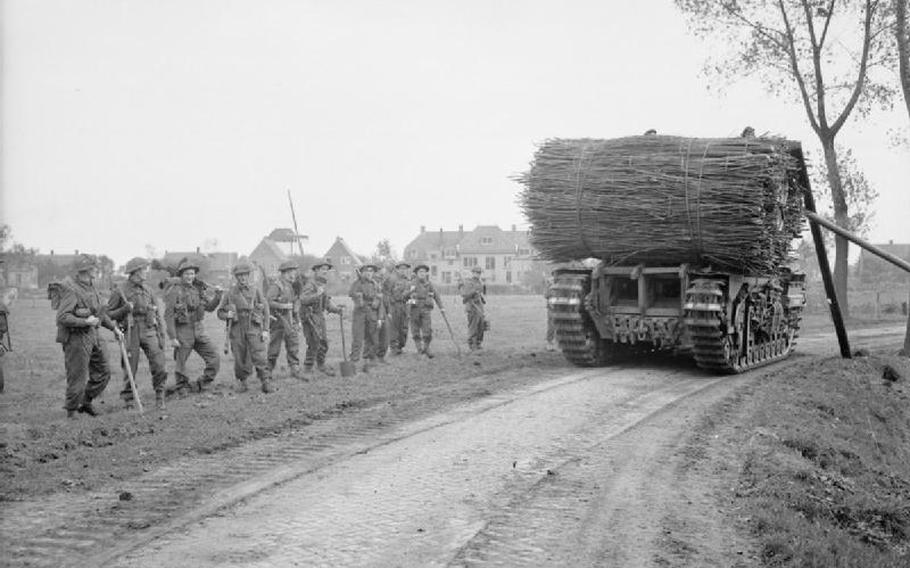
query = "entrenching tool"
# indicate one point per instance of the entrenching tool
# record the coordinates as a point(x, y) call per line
point(452, 335)
point(129, 373)
point(346, 367)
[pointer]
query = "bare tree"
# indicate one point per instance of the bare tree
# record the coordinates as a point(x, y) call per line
point(902, 34)
point(822, 53)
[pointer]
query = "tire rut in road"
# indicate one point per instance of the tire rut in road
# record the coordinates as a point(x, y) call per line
point(419, 498)
point(93, 528)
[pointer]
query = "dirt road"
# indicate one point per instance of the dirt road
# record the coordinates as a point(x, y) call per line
point(532, 477)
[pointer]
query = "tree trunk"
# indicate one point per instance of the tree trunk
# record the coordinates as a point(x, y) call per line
point(841, 218)
point(902, 31)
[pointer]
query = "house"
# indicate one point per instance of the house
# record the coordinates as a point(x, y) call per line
point(871, 268)
point(506, 257)
point(289, 239)
point(344, 260)
point(268, 255)
point(19, 274)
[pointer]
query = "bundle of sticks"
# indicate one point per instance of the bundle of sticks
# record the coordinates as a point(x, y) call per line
point(731, 203)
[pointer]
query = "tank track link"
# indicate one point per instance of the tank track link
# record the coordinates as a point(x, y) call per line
point(575, 332)
point(720, 350)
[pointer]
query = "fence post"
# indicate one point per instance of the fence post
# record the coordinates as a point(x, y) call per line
point(906, 350)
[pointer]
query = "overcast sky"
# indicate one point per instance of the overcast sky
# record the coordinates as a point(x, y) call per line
point(174, 123)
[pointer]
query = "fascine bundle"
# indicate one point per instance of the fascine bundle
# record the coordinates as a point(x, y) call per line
point(730, 203)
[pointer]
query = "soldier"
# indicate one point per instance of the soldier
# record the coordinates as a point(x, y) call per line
point(285, 326)
point(396, 289)
point(421, 297)
point(4, 327)
point(382, 347)
point(185, 305)
point(367, 317)
point(472, 294)
point(314, 302)
point(78, 316)
point(135, 310)
point(551, 328)
point(246, 308)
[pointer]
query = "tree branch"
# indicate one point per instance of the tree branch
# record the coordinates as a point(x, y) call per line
point(871, 6)
point(794, 68)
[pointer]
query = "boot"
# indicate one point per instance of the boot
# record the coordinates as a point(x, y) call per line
point(129, 404)
point(179, 391)
point(307, 372)
point(267, 386)
point(366, 366)
point(87, 408)
point(426, 350)
point(296, 373)
point(71, 414)
point(328, 371)
point(159, 400)
point(382, 360)
point(242, 386)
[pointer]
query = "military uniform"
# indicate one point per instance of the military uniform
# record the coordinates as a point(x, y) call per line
point(134, 308)
point(368, 311)
point(472, 295)
point(551, 326)
point(87, 370)
point(284, 328)
point(396, 289)
point(382, 345)
point(314, 302)
point(4, 331)
point(248, 311)
point(421, 297)
point(185, 307)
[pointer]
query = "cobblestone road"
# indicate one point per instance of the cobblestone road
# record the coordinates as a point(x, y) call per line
point(456, 489)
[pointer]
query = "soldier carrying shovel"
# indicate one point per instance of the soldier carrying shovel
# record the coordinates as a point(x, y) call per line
point(314, 302)
point(134, 308)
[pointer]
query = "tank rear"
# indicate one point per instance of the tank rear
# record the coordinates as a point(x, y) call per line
point(692, 240)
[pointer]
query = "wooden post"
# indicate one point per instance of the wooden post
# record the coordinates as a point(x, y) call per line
point(825, 268)
point(906, 350)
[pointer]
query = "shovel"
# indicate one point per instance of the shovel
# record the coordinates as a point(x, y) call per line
point(346, 367)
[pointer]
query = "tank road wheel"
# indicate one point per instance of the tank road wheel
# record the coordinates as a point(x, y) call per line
point(575, 332)
point(765, 335)
point(704, 315)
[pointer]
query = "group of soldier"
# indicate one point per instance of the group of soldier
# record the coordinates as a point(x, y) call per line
point(257, 324)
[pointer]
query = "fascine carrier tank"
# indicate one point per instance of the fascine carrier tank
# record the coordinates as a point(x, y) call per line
point(674, 244)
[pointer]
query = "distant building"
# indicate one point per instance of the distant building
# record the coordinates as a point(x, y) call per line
point(506, 257)
point(344, 260)
point(268, 255)
point(289, 238)
point(18, 274)
point(871, 268)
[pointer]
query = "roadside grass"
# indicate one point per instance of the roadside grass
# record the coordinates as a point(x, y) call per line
point(825, 474)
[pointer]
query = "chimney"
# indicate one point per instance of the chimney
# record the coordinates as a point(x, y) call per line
point(890, 241)
point(52, 252)
point(423, 229)
point(513, 228)
point(77, 252)
point(197, 250)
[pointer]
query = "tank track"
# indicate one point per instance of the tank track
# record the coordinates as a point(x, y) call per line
point(575, 332)
point(764, 329)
